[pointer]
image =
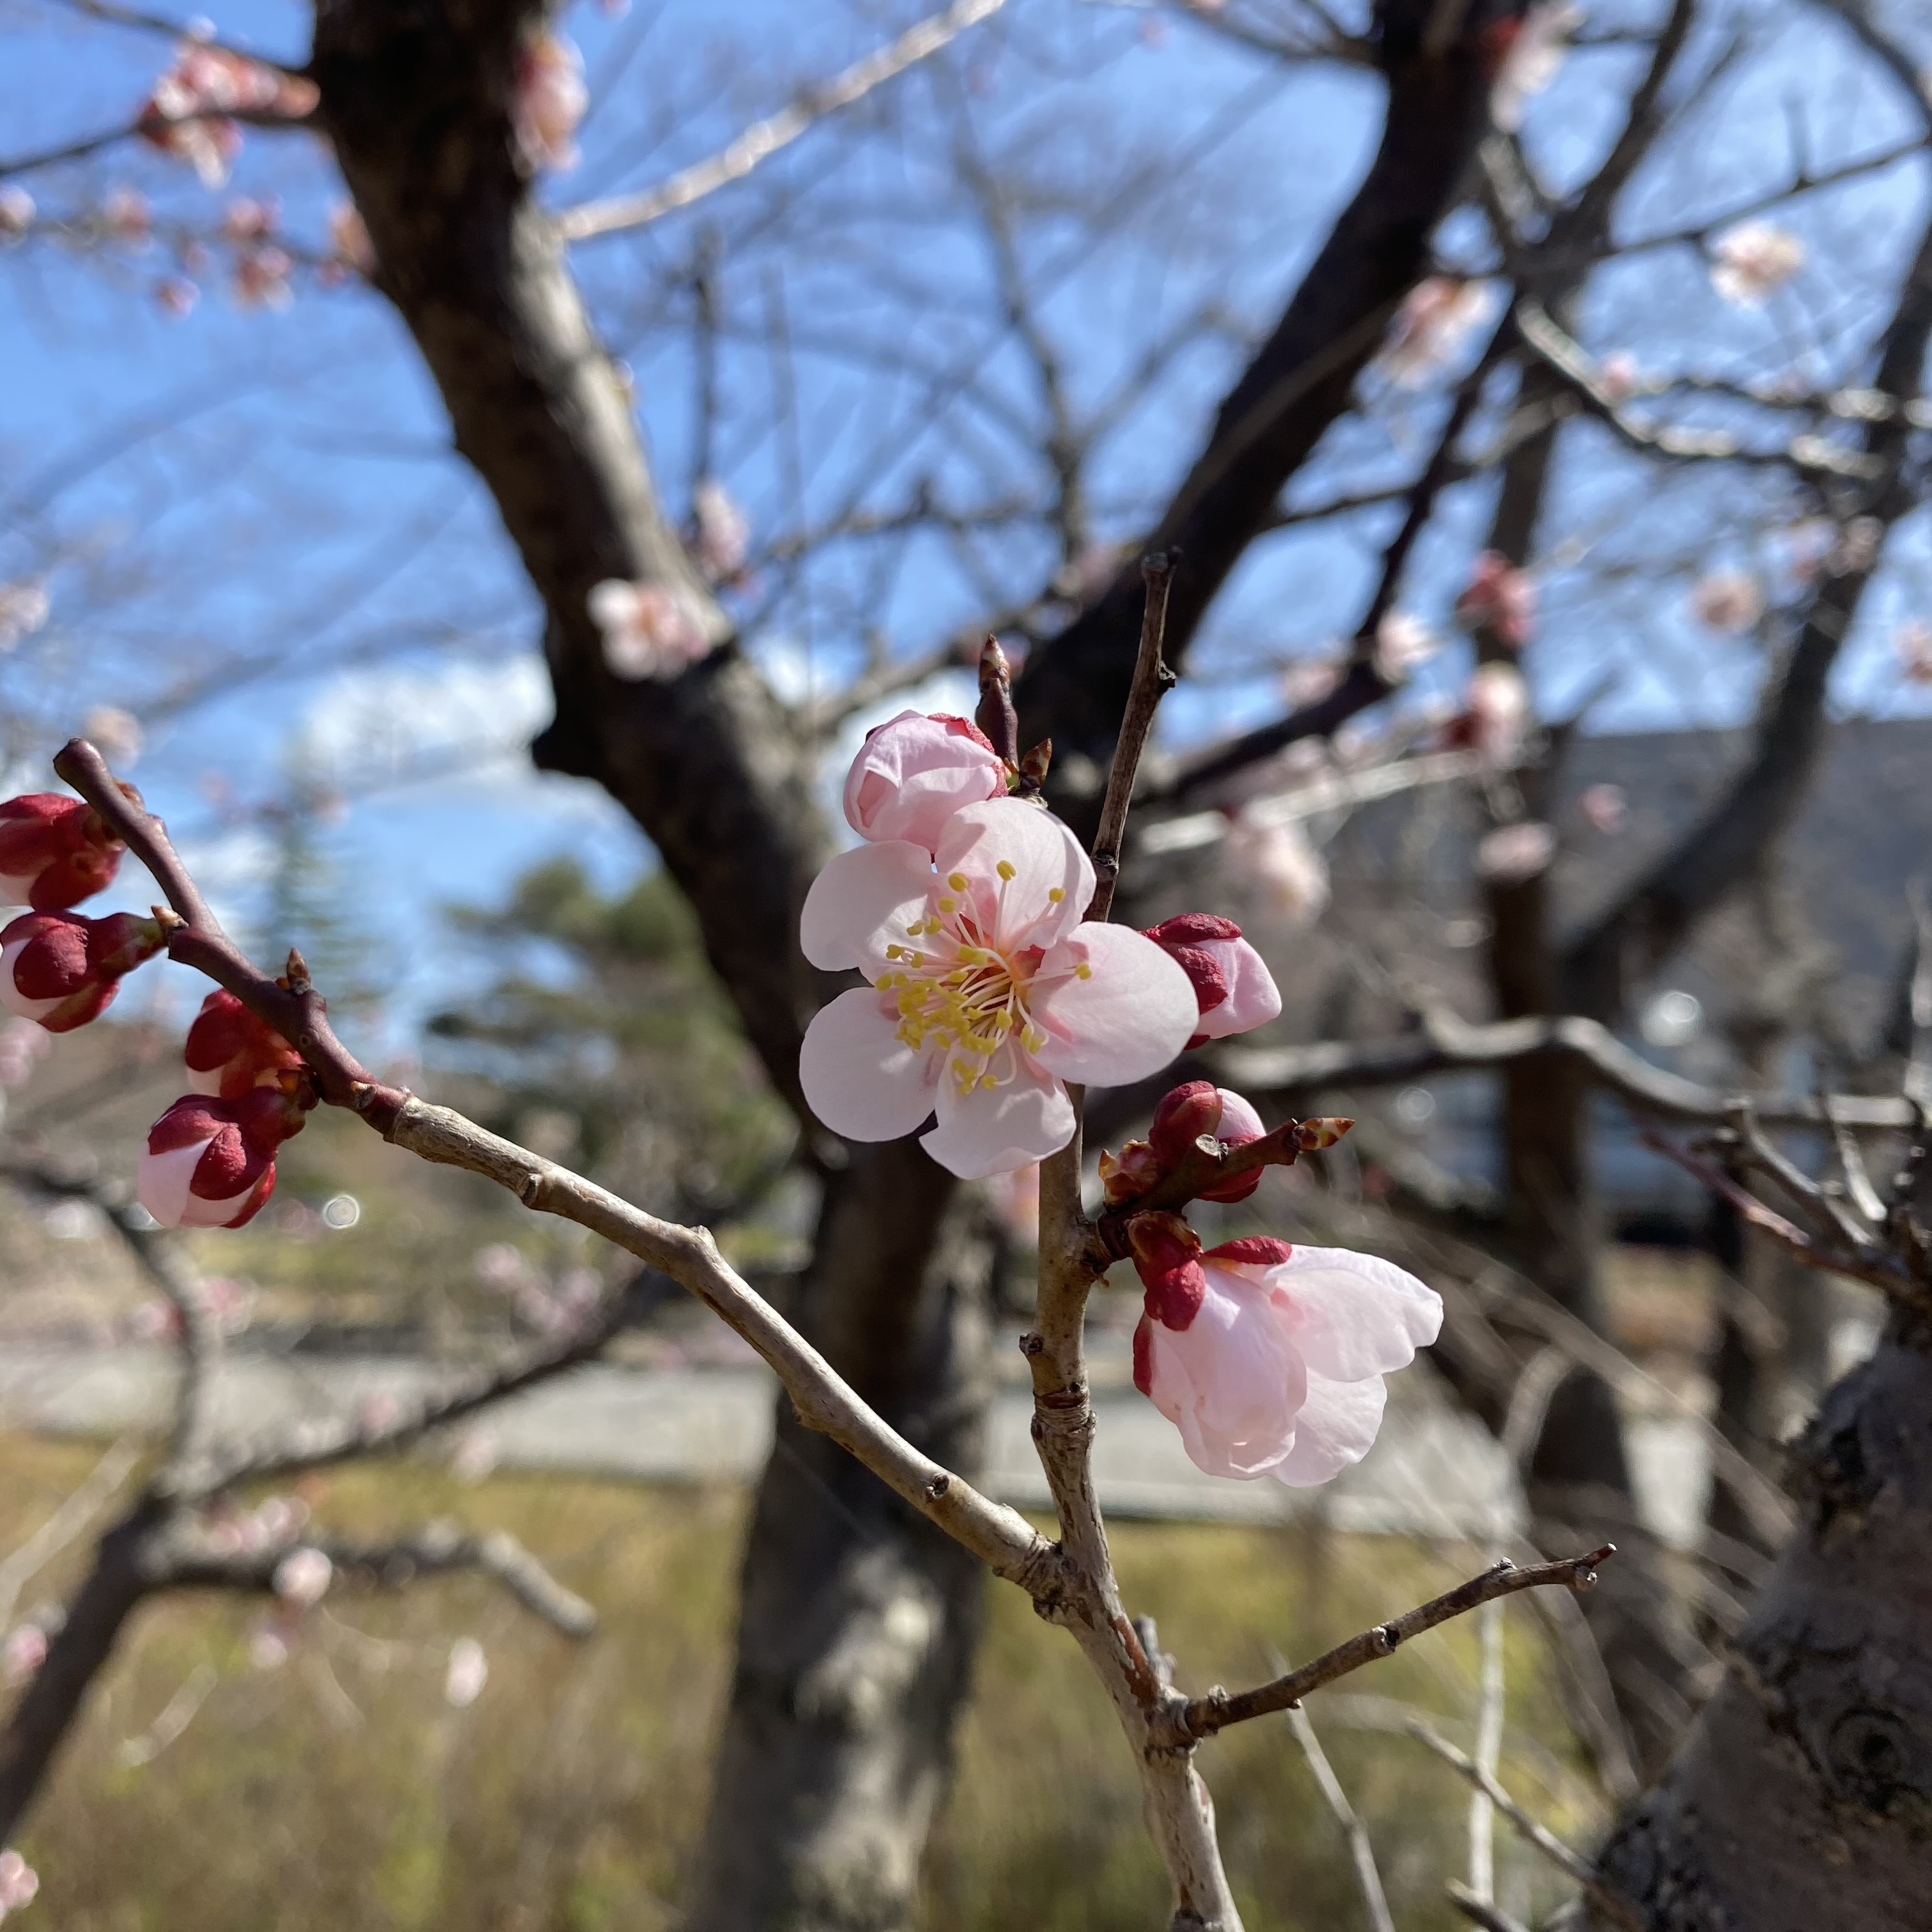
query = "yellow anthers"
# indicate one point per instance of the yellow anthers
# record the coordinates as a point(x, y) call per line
point(892, 952)
point(948, 905)
point(1083, 971)
point(1033, 1039)
point(1005, 869)
point(987, 1080)
point(1056, 893)
point(957, 880)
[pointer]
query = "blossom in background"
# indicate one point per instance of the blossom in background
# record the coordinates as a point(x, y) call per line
point(1495, 719)
point(189, 114)
point(229, 1050)
point(1269, 1358)
point(116, 734)
point(176, 295)
point(126, 216)
point(1232, 985)
point(720, 532)
point(549, 101)
point(22, 1655)
point(1403, 643)
point(1436, 318)
point(61, 970)
point(1512, 854)
point(650, 630)
point(469, 1671)
point(18, 1885)
point(1277, 861)
point(1751, 260)
point(1603, 807)
point(989, 991)
point(349, 237)
point(1014, 1196)
point(1911, 645)
point(268, 1644)
point(24, 609)
point(246, 219)
point(1536, 52)
point(303, 1577)
point(474, 1458)
point(1619, 376)
point(22, 1044)
point(17, 212)
point(1727, 600)
point(914, 772)
point(1309, 680)
point(211, 1163)
point(54, 852)
point(261, 278)
point(1499, 598)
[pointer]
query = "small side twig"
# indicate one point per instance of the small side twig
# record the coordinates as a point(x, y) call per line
point(1152, 680)
point(1367, 1877)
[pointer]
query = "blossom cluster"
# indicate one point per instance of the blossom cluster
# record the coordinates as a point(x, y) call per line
point(191, 112)
point(989, 991)
point(210, 1159)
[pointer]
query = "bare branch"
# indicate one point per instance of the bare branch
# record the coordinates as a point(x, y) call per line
point(763, 139)
point(1479, 1911)
point(1152, 682)
point(1202, 1717)
point(1361, 1851)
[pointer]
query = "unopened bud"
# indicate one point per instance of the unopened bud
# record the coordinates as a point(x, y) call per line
point(1166, 1254)
point(62, 969)
point(55, 851)
point(995, 716)
point(210, 1163)
point(229, 1050)
point(1033, 769)
point(1232, 986)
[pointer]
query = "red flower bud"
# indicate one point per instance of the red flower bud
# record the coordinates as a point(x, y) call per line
point(62, 970)
point(229, 1050)
point(1230, 980)
point(1200, 1108)
point(210, 1163)
point(54, 851)
point(1167, 1258)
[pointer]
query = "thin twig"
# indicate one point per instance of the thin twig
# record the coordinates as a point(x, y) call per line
point(1480, 1912)
point(1202, 1717)
point(1152, 680)
point(66, 1523)
point(1353, 1830)
point(763, 139)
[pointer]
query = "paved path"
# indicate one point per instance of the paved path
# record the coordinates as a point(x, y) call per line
point(1434, 1470)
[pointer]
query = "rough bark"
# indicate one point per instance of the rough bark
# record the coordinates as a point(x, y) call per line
point(45, 1715)
point(834, 1750)
point(1803, 1795)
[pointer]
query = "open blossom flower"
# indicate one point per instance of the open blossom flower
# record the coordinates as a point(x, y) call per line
point(55, 851)
point(722, 533)
point(914, 772)
point(1512, 854)
point(1278, 860)
point(1235, 990)
point(989, 991)
point(18, 1885)
point(1436, 317)
point(1536, 52)
point(1500, 598)
point(22, 1655)
point(1269, 1358)
point(469, 1671)
point(650, 630)
point(211, 1163)
point(550, 100)
point(1727, 600)
point(303, 1577)
point(189, 113)
point(1753, 258)
point(61, 970)
point(229, 1050)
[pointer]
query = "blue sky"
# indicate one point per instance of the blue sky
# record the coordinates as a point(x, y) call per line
point(267, 500)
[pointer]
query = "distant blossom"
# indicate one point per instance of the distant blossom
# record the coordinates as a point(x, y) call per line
point(303, 1577)
point(1752, 260)
point(650, 630)
point(116, 734)
point(348, 237)
point(1536, 52)
point(549, 101)
point(22, 1655)
point(1436, 318)
point(176, 295)
point(261, 278)
point(721, 532)
point(1280, 864)
point(19, 1886)
point(1403, 643)
point(1727, 600)
point(468, 1672)
point(24, 609)
point(16, 211)
point(1496, 718)
point(1604, 807)
point(1499, 598)
point(1309, 680)
point(126, 216)
point(1911, 645)
point(1513, 854)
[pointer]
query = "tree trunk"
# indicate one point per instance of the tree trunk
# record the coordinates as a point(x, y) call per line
point(48, 1707)
point(859, 1621)
point(1803, 1796)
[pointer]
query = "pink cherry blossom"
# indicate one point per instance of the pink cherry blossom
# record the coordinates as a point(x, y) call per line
point(550, 100)
point(1187, 1113)
point(261, 278)
point(1512, 854)
point(1495, 721)
point(989, 991)
point(1536, 52)
point(22, 1655)
point(18, 1885)
point(469, 1671)
point(1436, 317)
point(1619, 376)
point(22, 1045)
point(17, 212)
point(475, 1456)
point(116, 734)
point(721, 532)
point(126, 216)
point(651, 631)
point(348, 237)
point(1277, 859)
point(1912, 645)
point(176, 295)
point(1269, 1359)
point(1499, 599)
point(914, 772)
point(211, 1163)
point(1402, 644)
point(1727, 600)
point(1751, 260)
point(1231, 981)
point(268, 1645)
point(189, 113)
point(1014, 1196)
point(1310, 680)
point(1604, 807)
point(303, 1577)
